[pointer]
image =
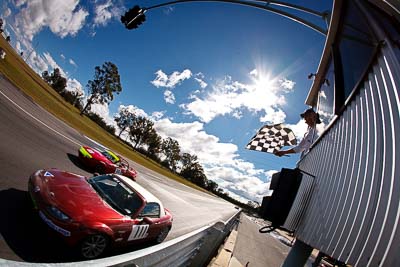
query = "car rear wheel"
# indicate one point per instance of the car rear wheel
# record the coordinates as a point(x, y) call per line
point(93, 246)
point(162, 235)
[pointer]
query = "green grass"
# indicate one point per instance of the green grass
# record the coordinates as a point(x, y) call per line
point(23, 77)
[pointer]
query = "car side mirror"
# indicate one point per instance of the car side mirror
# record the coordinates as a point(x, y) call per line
point(147, 220)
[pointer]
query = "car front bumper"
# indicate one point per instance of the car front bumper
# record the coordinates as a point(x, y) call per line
point(69, 231)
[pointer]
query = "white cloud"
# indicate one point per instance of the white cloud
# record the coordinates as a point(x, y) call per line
point(37, 62)
point(269, 173)
point(72, 62)
point(62, 56)
point(193, 139)
point(63, 17)
point(134, 109)
point(254, 73)
point(163, 80)
point(169, 97)
point(287, 84)
point(237, 114)
point(18, 46)
point(103, 111)
point(104, 12)
point(199, 77)
point(53, 64)
point(240, 183)
point(229, 97)
point(273, 116)
point(19, 3)
point(75, 85)
point(202, 83)
point(220, 160)
point(47, 62)
point(299, 129)
point(157, 115)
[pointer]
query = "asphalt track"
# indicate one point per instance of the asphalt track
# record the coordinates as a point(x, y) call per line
point(32, 139)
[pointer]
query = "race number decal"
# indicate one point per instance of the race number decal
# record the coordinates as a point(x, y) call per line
point(138, 232)
point(118, 171)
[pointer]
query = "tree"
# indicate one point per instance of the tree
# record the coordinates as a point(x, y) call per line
point(171, 150)
point(55, 80)
point(153, 142)
point(124, 119)
point(73, 97)
point(59, 83)
point(140, 129)
point(212, 186)
point(105, 83)
point(192, 170)
point(253, 204)
point(46, 76)
point(100, 121)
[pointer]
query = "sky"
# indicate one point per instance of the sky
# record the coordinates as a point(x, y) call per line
point(208, 74)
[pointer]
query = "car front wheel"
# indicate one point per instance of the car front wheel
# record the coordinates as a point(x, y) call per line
point(162, 235)
point(93, 246)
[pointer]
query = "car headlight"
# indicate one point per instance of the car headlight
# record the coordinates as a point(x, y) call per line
point(58, 214)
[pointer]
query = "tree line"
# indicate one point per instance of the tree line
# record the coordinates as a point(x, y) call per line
point(139, 130)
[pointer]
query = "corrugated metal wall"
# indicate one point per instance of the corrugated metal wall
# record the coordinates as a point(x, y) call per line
point(354, 211)
point(300, 203)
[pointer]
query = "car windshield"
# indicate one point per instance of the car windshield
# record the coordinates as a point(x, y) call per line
point(110, 156)
point(117, 194)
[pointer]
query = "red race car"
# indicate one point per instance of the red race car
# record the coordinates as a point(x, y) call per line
point(93, 214)
point(105, 162)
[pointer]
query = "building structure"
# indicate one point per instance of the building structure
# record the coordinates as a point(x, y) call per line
point(349, 200)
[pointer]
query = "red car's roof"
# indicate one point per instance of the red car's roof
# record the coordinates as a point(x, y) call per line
point(76, 197)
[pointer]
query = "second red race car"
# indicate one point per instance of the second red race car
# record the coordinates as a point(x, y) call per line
point(105, 162)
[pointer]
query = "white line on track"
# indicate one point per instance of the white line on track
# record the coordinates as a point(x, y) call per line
point(66, 137)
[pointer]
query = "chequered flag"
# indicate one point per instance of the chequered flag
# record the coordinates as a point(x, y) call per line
point(271, 138)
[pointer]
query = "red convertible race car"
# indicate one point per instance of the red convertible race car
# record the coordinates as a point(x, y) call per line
point(95, 213)
point(105, 162)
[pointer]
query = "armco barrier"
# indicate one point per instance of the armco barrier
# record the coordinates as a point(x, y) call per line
point(194, 249)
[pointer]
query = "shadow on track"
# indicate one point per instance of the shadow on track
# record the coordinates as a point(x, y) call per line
point(25, 234)
point(77, 162)
point(28, 237)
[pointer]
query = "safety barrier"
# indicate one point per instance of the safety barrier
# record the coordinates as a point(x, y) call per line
point(193, 249)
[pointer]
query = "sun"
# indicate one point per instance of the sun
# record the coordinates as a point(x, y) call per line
point(262, 80)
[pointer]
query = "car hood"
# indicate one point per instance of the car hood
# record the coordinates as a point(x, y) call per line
point(73, 195)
